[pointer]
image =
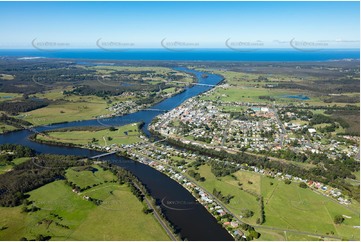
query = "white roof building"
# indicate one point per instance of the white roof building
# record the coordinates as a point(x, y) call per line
point(312, 131)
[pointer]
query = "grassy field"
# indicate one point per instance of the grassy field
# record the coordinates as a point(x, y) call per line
point(233, 108)
point(269, 235)
point(119, 217)
point(251, 94)
point(6, 77)
point(79, 108)
point(5, 128)
point(286, 206)
point(357, 174)
point(54, 94)
point(89, 178)
point(16, 161)
point(227, 185)
point(154, 78)
point(169, 90)
point(57, 94)
point(245, 87)
point(126, 134)
point(4, 96)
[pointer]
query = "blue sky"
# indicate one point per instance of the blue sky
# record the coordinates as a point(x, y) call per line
point(201, 24)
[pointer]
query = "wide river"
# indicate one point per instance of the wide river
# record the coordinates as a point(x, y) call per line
point(191, 218)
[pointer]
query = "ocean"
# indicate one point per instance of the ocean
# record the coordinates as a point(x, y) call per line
point(191, 55)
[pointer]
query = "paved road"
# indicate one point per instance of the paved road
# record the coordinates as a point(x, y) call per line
point(274, 110)
point(225, 132)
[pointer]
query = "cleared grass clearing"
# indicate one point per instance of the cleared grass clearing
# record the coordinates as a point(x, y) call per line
point(233, 108)
point(6, 128)
point(238, 94)
point(127, 134)
point(268, 235)
point(16, 161)
point(57, 94)
point(54, 94)
point(242, 200)
point(291, 207)
point(53, 198)
point(245, 87)
point(152, 77)
point(6, 77)
point(89, 178)
point(14, 223)
point(249, 180)
point(357, 174)
point(286, 206)
point(119, 217)
point(169, 90)
point(69, 111)
point(251, 94)
point(5, 96)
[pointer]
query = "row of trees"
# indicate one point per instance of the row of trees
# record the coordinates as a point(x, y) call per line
point(17, 151)
point(196, 175)
point(17, 123)
point(15, 107)
point(324, 86)
point(224, 198)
